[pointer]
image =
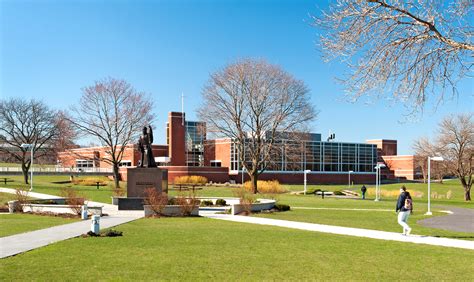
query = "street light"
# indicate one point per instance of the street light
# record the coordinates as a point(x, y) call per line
point(350, 171)
point(305, 172)
point(439, 159)
point(30, 146)
point(378, 181)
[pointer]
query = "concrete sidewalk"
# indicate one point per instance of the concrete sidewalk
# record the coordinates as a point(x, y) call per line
point(358, 232)
point(23, 242)
point(16, 244)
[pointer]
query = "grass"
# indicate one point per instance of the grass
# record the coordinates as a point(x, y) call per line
point(19, 165)
point(16, 223)
point(52, 184)
point(5, 197)
point(206, 249)
point(375, 220)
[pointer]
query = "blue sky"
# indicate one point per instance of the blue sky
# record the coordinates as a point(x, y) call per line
point(49, 50)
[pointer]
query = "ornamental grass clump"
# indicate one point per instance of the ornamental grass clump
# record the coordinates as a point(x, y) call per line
point(90, 181)
point(187, 203)
point(393, 193)
point(157, 201)
point(266, 187)
point(191, 180)
point(74, 199)
point(246, 198)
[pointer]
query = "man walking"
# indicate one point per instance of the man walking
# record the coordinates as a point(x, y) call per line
point(363, 190)
point(404, 209)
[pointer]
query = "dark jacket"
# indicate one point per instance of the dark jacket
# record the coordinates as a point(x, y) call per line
point(401, 202)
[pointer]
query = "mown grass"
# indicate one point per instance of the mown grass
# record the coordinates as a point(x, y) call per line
point(375, 220)
point(53, 184)
point(206, 249)
point(2, 164)
point(16, 223)
point(5, 197)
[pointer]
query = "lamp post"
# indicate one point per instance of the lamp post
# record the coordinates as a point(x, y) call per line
point(30, 146)
point(350, 171)
point(305, 172)
point(429, 181)
point(378, 181)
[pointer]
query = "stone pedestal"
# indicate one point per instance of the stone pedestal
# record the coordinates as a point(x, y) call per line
point(141, 178)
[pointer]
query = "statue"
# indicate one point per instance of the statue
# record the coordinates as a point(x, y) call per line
point(144, 144)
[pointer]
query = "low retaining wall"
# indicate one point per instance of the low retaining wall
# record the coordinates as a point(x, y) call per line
point(58, 209)
point(264, 204)
point(170, 210)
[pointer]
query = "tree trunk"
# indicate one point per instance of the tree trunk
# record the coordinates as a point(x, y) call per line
point(467, 193)
point(116, 176)
point(25, 170)
point(253, 180)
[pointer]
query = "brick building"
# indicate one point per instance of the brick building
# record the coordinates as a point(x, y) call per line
point(188, 152)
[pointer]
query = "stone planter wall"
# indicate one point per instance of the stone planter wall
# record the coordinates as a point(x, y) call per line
point(264, 204)
point(170, 210)
point(59, 209)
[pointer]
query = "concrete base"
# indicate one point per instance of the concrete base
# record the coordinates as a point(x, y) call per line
point(131, 204)
point(141, 178)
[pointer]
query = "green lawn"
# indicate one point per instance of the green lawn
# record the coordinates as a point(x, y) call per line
point(5, 197)
point(18, 223)
point(19, 165)
point(52, 184)
point(376, 220)
point(206, 249)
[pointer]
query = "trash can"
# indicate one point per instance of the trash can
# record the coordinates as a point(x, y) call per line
point(95, 226)
point(84, 212)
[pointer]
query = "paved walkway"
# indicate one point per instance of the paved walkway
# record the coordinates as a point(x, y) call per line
point(23, 242)
point(461, 220)
point(358, 232)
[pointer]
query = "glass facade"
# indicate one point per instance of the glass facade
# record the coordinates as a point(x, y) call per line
point(195, 136)
point(316, 156)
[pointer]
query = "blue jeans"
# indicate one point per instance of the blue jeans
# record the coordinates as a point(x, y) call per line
point(402, 220)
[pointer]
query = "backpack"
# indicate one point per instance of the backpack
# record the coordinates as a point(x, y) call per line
point(408, 204)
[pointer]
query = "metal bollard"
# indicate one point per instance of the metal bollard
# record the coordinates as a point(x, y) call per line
point(95, 226)
point(84, 212)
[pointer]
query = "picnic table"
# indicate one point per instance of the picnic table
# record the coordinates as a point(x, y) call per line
point(6, 179)
point(186, 187)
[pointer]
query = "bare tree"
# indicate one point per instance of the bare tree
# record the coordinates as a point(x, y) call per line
point(112, 112)
point(252, 102)
point(423, 149)
point(27, 122)
point(68, 133)
point(411, 49)
point(456, 142)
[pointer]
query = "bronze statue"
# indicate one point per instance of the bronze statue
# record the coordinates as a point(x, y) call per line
point(144, 144)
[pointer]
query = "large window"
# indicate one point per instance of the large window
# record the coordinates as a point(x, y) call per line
point(195, 136)
point(289, 155)
point(84, 163)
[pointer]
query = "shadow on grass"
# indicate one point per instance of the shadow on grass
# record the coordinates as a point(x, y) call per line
point(453, 237)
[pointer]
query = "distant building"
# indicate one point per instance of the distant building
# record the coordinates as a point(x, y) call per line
point(189, 152)
point(397, 166)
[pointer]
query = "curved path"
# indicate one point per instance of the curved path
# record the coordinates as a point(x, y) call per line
point(461, 220)
point(348, 231)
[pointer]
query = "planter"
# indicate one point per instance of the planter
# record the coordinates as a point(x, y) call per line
point(263, 204)
point(59, 209)
point(170, 210)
